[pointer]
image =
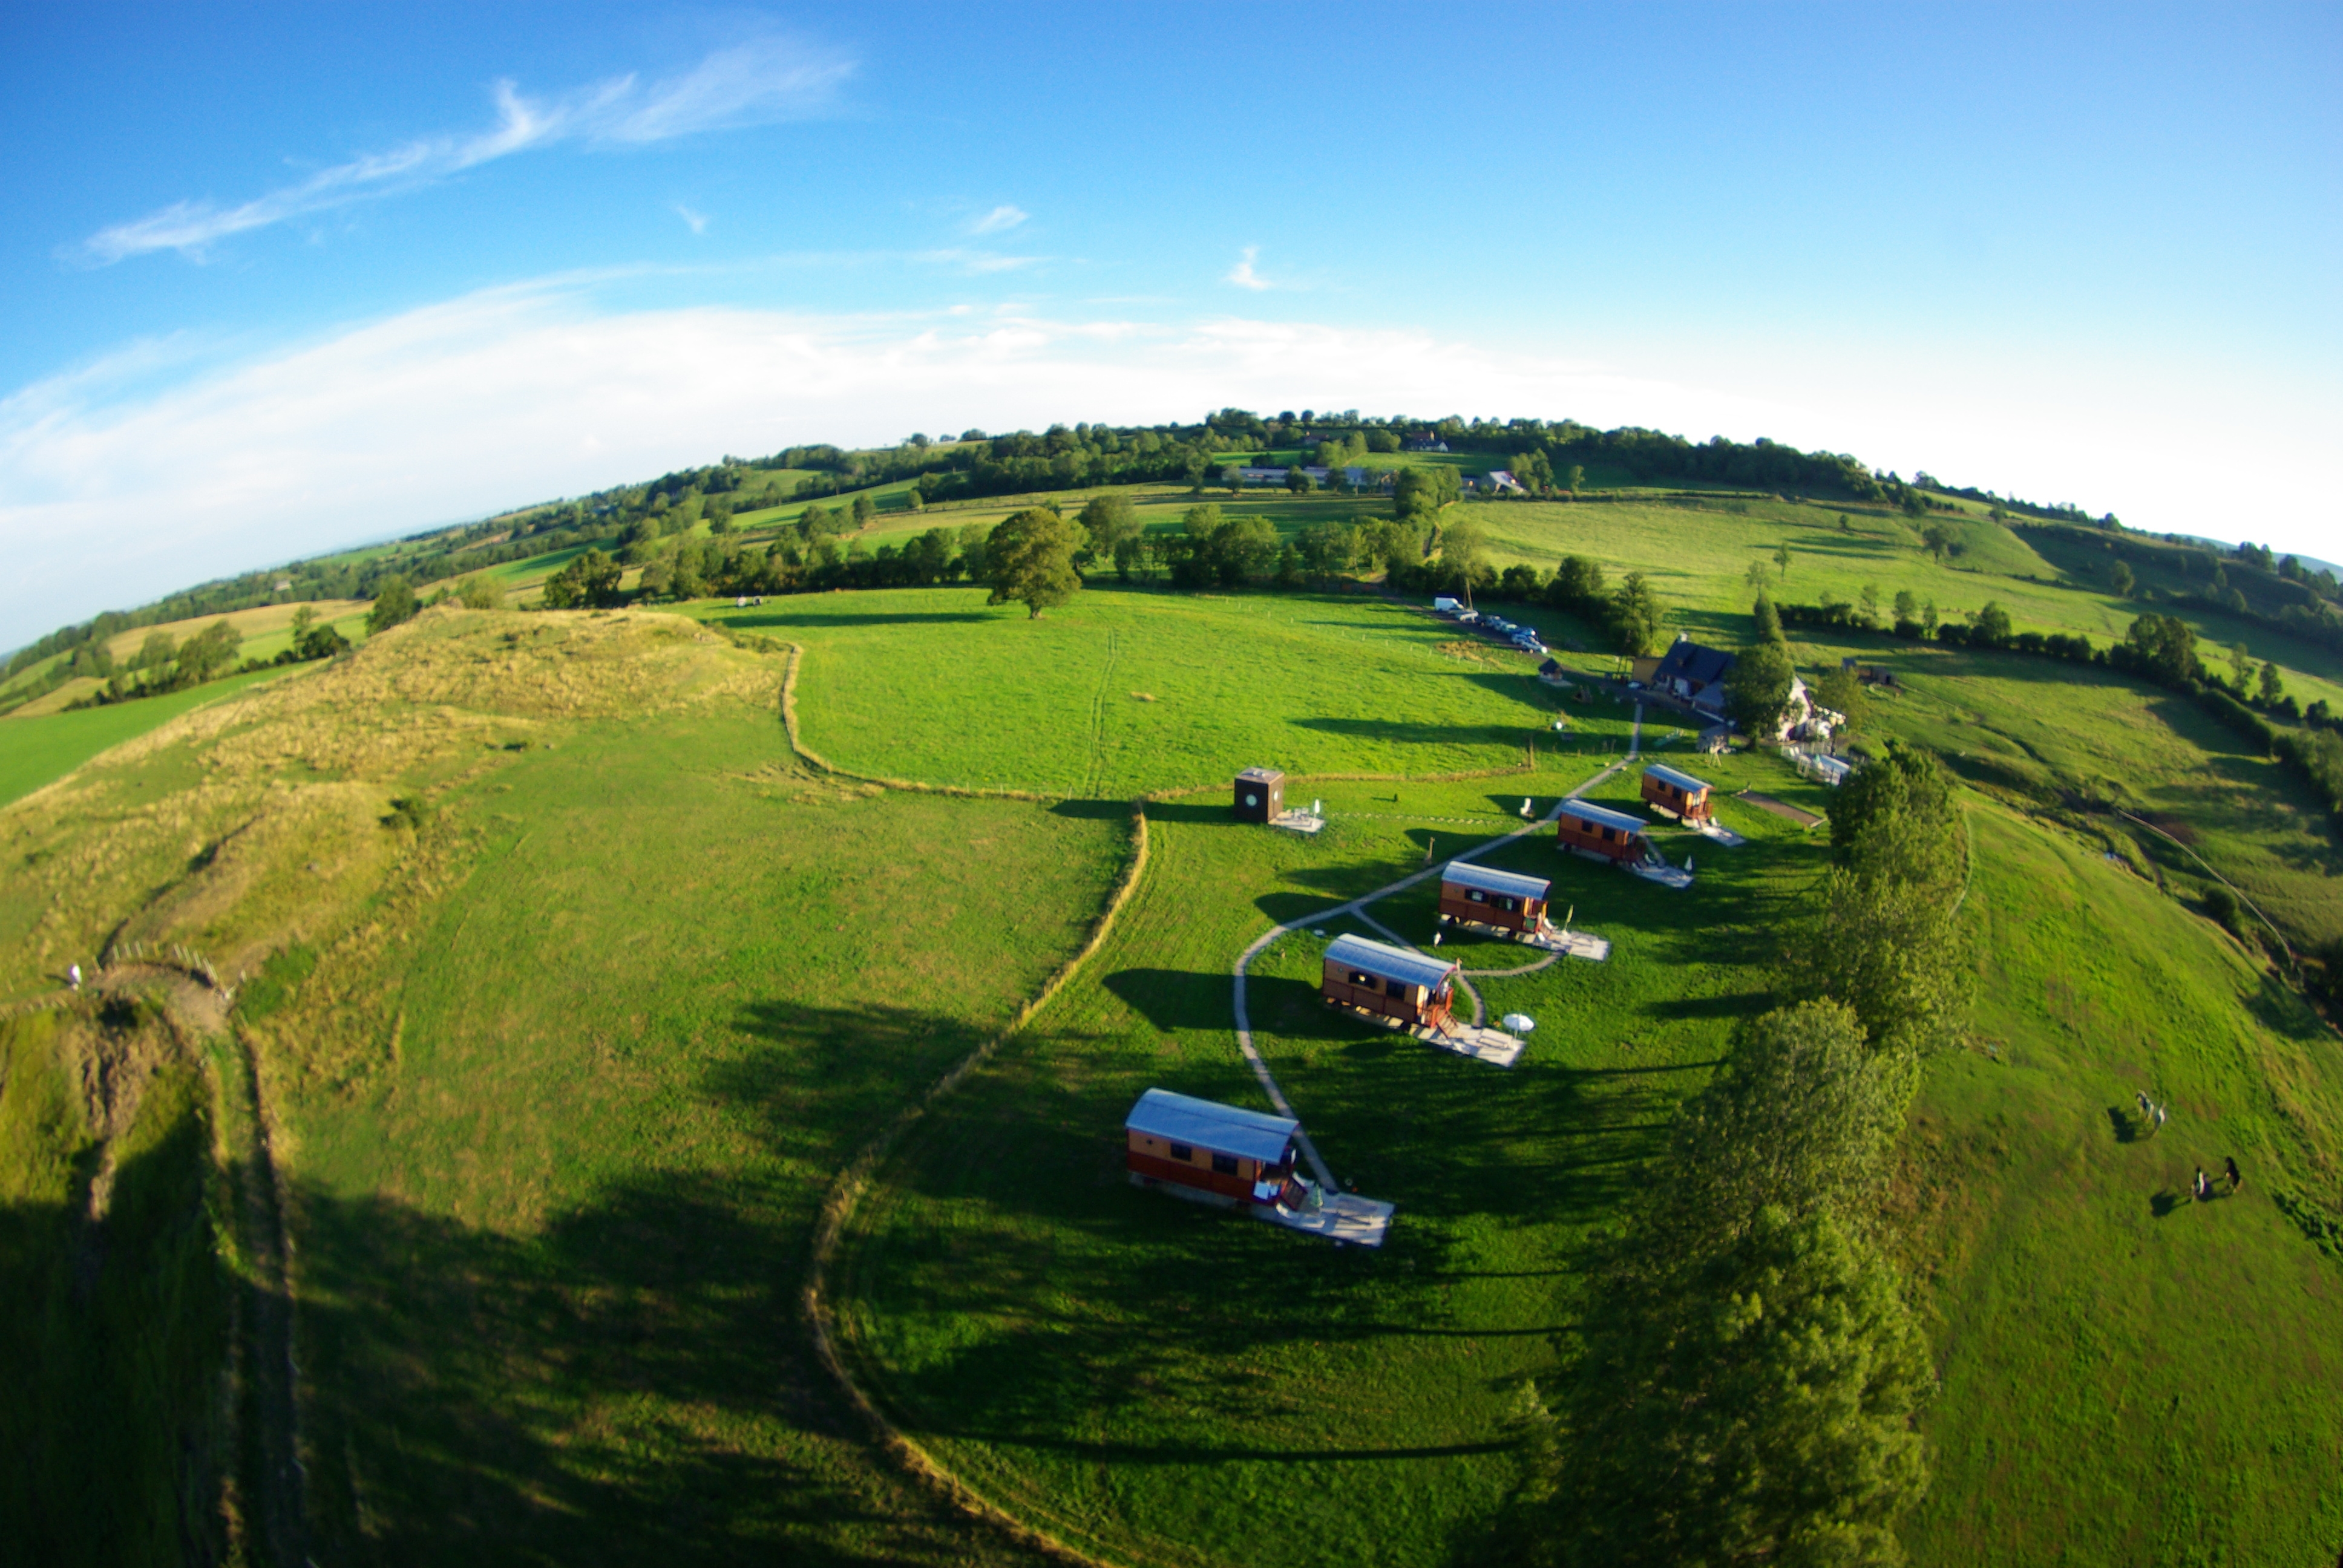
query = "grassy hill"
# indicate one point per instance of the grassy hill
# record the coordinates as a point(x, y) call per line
point(565, 989)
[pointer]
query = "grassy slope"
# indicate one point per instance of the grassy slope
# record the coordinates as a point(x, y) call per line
point(1176, 1384)
point(1205, 1368)
point(931, 684)
point(39, 750)
point(112, 1313)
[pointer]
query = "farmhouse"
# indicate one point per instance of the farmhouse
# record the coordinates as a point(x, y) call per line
point(1500, 480)
point(1424, 444)
point(1690, 672)
point(1389, 983)
point(1680, 795)
point(1602, 834)
point(1260, 795)
point(1212, 1152)
point(1502, 901)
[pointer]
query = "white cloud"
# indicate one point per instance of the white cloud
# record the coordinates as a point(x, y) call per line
point(697, 220)
point(1243, 276)
point(760, 82)
point(998, 219)
point(978, 261)
point(112, 493)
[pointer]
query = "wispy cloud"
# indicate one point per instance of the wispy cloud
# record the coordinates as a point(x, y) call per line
point(756, 82)
point(978, 261)
point(1243, 276)
point(697, 220)
point(999, 219)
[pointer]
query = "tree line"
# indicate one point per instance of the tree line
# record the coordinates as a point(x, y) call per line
point(1744, 1375)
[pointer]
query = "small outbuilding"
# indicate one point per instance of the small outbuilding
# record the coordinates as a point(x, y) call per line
point(1602, 834)
point(1502, 901)
point(1203, 1150)
point(1391, 982)
point(1678, 794)
point(1260, 795)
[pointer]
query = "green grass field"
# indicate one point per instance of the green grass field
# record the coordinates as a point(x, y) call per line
point(40, 750)
point(564, 1062)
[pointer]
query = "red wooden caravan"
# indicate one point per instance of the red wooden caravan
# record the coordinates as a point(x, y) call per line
point(1389, 983)
point(1212, 1152)
point(1678, 794)
point(1601, 834)
point(1476, 896)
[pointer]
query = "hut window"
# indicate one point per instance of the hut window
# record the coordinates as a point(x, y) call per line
point(1397, 987)
point(1507, 904)
point(1224, 1164)
point(1367, 980)
point(1475, 896)
point(1182, 1152)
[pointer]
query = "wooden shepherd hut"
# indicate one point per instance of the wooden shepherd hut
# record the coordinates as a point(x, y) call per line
point(1476, 896)
point(1602, 834)
point(1261, 795)
point(1680, 795)
point(1389, 983)
point(1206, 1150)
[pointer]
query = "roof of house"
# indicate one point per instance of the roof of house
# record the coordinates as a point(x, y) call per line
point(1683, 782)
point(1391, 962)
point(1464, 874)
point(1689, 660)
point(1208, 1124)
point(1602, 817)
point(1262, 775)
point(1551, 666)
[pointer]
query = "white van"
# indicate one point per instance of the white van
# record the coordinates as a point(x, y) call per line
point(1446, 606)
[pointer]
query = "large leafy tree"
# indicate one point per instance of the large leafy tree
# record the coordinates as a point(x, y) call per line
point(1030, 561)
point(1422, 491)
point(394, 601)
point(1758, 691)
point(1109, 520)
point(1637, 614)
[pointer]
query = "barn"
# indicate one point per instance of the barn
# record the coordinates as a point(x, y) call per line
point(1476, 896)
point(1678, 794)
point(1602, 834)
point(1260, 795)
point(1212, 1152)
point(1389, 983)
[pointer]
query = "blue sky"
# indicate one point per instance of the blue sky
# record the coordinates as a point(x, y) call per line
point(281, 278)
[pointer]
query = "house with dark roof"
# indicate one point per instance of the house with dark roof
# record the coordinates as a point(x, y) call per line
point(1693, 673)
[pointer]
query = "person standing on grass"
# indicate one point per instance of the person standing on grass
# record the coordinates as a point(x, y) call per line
point(2159, 1119)
point(2145, 1104)
point(2236, 1180)
point(2203, 1187)
point(73, 977)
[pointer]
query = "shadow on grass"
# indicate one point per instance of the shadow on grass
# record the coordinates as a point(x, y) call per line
point(759, 620)
point(2126, 1127)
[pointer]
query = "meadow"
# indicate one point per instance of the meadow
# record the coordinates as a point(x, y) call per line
point(41, 748)
point(563, 1055)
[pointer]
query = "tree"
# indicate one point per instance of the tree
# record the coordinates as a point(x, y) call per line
point(2165, 646)
point(1030, 559)
point(864, 510)
point(1907, 607)
point(1990, 627)
point(394, 601)
point(1328, 549)
point(1297, 479)
point(305, 615)
point(1464, 551)
point(1745, 1391)
point(1757, 577)
point(1936, 539)
point(1109, 520)
point(1782, 559)
point(1758, 691)
point(2273, 686)
point(973, 539)
point(928, 556)
point(160, 648)
point(1243, 550)
point(1572, 478)
point(2119, 579)
point(1422, 491)
point(209, 651)
point(1916, 504)
point(2241, 663)
point(1769, 618)
point(1578, 585)
point(1840, 692)
point(1637, 614)
point(1846, 523)
point(1869, 598)
point(480, 592)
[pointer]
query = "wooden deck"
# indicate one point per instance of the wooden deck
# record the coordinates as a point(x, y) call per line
point(1347, 1217)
